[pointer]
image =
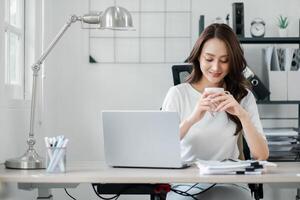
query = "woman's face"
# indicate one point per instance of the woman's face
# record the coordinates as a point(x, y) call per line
point(214, 61)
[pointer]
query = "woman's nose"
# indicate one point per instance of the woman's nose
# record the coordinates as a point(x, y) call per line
point(215, 65)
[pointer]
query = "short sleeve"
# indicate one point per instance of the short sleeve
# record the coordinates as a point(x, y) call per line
point(171, 101)
point(249, 104)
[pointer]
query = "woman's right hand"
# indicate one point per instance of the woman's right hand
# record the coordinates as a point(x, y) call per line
point(203, 105)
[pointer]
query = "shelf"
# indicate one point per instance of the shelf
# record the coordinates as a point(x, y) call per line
point(277, 102)
point(270, 40)
point(283, 102)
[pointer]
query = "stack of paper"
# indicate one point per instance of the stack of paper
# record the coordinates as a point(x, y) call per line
point(283, 144)
point(280, 132)
point(249, 167)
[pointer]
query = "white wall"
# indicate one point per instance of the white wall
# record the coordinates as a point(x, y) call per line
point(76, 91)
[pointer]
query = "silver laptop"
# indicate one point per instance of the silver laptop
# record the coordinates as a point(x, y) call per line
point(142, 139)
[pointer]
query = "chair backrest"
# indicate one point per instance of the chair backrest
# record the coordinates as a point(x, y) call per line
point(180, 73)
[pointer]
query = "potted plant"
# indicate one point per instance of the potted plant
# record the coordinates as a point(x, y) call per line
point(283, 24)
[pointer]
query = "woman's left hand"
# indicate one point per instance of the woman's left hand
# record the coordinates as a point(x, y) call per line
point(226, 102)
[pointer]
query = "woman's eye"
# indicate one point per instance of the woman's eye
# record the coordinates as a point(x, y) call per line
point(224, 61)
point(208, 59)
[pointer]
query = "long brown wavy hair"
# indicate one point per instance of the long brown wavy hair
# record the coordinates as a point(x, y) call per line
point(235, 81)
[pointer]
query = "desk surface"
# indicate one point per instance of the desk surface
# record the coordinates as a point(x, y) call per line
point(97, 172)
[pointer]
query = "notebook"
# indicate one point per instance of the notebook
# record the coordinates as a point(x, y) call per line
point(142, 139)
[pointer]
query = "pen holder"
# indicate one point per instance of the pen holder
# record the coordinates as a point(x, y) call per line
point(56, 160)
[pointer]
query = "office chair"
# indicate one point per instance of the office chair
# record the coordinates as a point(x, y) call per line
point(180, 74)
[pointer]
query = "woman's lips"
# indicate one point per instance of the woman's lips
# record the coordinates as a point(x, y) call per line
point(215, 74)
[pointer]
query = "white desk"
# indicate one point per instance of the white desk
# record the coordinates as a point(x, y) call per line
point(97, 172)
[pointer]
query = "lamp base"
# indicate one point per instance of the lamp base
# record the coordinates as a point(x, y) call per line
point(30, 160)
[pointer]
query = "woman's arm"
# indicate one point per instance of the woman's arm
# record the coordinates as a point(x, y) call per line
point(185, 126)
point(203, 105)
point(257, 143)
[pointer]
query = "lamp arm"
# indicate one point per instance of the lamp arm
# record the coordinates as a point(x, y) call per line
point(36, 68)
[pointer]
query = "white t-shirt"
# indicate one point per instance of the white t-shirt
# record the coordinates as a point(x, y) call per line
point(212, 138)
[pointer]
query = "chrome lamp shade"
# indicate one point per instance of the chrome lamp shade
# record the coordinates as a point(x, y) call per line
point(115, 18)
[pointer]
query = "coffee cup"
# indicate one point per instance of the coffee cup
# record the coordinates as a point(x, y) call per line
point(212, 90)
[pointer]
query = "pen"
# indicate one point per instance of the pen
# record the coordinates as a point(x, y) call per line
point(248, 173)
point(48, 145)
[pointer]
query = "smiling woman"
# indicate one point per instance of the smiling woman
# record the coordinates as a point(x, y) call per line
point(218, 62)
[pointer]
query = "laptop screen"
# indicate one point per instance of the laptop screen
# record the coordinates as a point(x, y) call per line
point(141, 139)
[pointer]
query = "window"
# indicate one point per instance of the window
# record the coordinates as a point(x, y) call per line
point(14, 46)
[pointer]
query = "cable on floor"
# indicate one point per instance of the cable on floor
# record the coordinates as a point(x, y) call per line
point(115, 197)
point(69, 194)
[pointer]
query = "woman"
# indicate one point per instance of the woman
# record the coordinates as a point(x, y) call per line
point(211, 122)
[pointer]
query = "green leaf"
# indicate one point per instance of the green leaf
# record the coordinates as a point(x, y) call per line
point(282, 22)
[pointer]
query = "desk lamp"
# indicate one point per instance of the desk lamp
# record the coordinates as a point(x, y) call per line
point(115, 18)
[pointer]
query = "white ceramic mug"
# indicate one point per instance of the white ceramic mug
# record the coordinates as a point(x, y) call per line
point(213, 90)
